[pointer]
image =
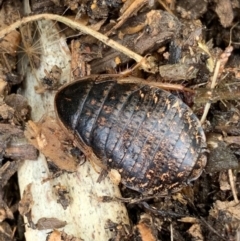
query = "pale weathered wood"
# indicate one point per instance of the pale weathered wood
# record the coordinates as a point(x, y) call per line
point(87, 215)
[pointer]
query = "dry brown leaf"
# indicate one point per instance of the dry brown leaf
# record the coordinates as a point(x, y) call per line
point(47, 136)
point(5, 211)
point(230, 208)
point(50, 223)
point(26, 203)
point(78, 64)
point(10, 43)
point(145, 229)
point(62, 236)
point(224, 182)
point(188, 220)
point(55, 235)
point(196, 232)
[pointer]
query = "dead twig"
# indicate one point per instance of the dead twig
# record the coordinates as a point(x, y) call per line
point(147, 64)
point(211, 228)
point(217, 71)
point(233, 186)
point(130, 11)
point(165, 6)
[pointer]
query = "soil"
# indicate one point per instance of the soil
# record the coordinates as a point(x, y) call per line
point(195, 49)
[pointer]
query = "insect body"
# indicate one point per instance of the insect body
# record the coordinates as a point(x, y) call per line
point(150, 136)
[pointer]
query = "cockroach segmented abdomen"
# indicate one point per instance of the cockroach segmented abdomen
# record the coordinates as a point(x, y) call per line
point(150, 136)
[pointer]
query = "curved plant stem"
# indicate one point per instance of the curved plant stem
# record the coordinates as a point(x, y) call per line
point(146, 63)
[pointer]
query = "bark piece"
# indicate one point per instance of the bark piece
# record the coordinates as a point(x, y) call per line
point(225, 12)
point(13, 144)
point(159, 27)
point(193, 9)
point(6, 232)
point(219, 153)
point(20, 106)
point(6, 171)
point(47, 136)
point(178, 72)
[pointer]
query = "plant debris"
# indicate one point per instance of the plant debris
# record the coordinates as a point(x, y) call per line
point(47, 137)
point(190, 48)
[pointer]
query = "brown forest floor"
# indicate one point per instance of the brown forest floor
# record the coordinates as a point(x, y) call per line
point(194, 43)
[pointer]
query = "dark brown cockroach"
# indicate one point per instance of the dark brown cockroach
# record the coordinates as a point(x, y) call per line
point(149, 135)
